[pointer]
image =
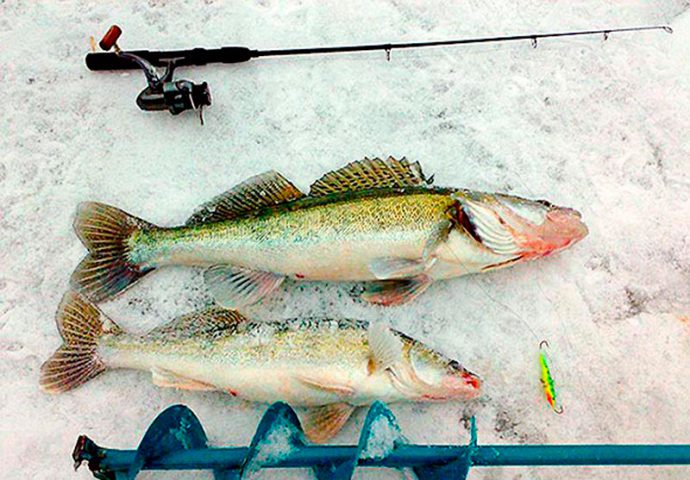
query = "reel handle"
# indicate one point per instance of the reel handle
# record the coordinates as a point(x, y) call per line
point(110, 38)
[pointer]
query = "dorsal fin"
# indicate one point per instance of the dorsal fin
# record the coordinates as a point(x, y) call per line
point(368, 174)
point(203, 323)
point(265, 190)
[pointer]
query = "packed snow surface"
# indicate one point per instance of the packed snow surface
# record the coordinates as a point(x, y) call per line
point(601, 126)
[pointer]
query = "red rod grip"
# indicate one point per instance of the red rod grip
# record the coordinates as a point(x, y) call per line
point(110, 38)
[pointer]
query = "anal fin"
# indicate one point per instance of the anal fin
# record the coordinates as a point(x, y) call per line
point(234, 287)
point(165, 378)
point(396, 292)
point(322, 423)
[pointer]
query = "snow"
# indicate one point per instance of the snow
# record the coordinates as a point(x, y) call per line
point(382, 438)
point(276, 446)
point(598, 126)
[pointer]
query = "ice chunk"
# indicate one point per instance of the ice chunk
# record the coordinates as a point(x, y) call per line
point(384, 436)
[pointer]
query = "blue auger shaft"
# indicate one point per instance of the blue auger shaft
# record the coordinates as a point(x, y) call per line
point(414, 455)
point(176, 441)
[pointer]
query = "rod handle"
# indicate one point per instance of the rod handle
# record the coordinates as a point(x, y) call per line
point(195, 56)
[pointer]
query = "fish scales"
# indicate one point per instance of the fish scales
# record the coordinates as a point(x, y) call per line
point(301, 340)
point(312, 234)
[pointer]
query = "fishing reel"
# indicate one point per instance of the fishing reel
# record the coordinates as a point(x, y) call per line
point(162, 92)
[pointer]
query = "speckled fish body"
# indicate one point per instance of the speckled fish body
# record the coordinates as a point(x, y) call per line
point(264, 362)
point(335, 365)
point(305, 362)
point(374, 220)
point(335, 238)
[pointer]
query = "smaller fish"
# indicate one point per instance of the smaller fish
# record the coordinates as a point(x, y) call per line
point(547, 380)
point(329, 366)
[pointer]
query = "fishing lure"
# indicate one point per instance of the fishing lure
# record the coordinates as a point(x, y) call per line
point(547, 379)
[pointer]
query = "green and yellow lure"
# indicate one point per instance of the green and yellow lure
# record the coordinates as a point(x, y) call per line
point(547, 379)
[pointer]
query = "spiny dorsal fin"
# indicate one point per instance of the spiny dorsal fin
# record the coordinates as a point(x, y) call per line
point(368, 174)
point(203, 323)
point(265, 190)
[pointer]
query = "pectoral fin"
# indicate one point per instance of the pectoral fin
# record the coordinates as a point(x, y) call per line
point(387, 268)
point(166, 378)
point(322, 423)
point(340, 390)
point(396, 292)
point(385, 347)
point(234, 287)
point(438, 236)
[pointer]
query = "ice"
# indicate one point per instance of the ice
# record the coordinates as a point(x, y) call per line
point(275, 447)
point(598, 126)
point(383, 436)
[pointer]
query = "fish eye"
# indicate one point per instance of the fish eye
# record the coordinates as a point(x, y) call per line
point(454, 365)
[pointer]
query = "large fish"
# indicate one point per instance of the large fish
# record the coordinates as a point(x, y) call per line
point(332, 366)
point(373, 220)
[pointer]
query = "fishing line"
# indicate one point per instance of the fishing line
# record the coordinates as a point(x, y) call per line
point(486, 293)
point(564, 329)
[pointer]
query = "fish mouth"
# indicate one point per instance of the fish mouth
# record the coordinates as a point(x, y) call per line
point(472, 380)
point(463, 384)
point(566, 228)
point(562, 228)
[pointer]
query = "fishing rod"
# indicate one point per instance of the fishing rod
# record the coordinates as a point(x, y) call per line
point(176, 96)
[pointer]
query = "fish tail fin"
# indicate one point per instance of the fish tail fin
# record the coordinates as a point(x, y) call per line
point(107, 270)
point(81, 325)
